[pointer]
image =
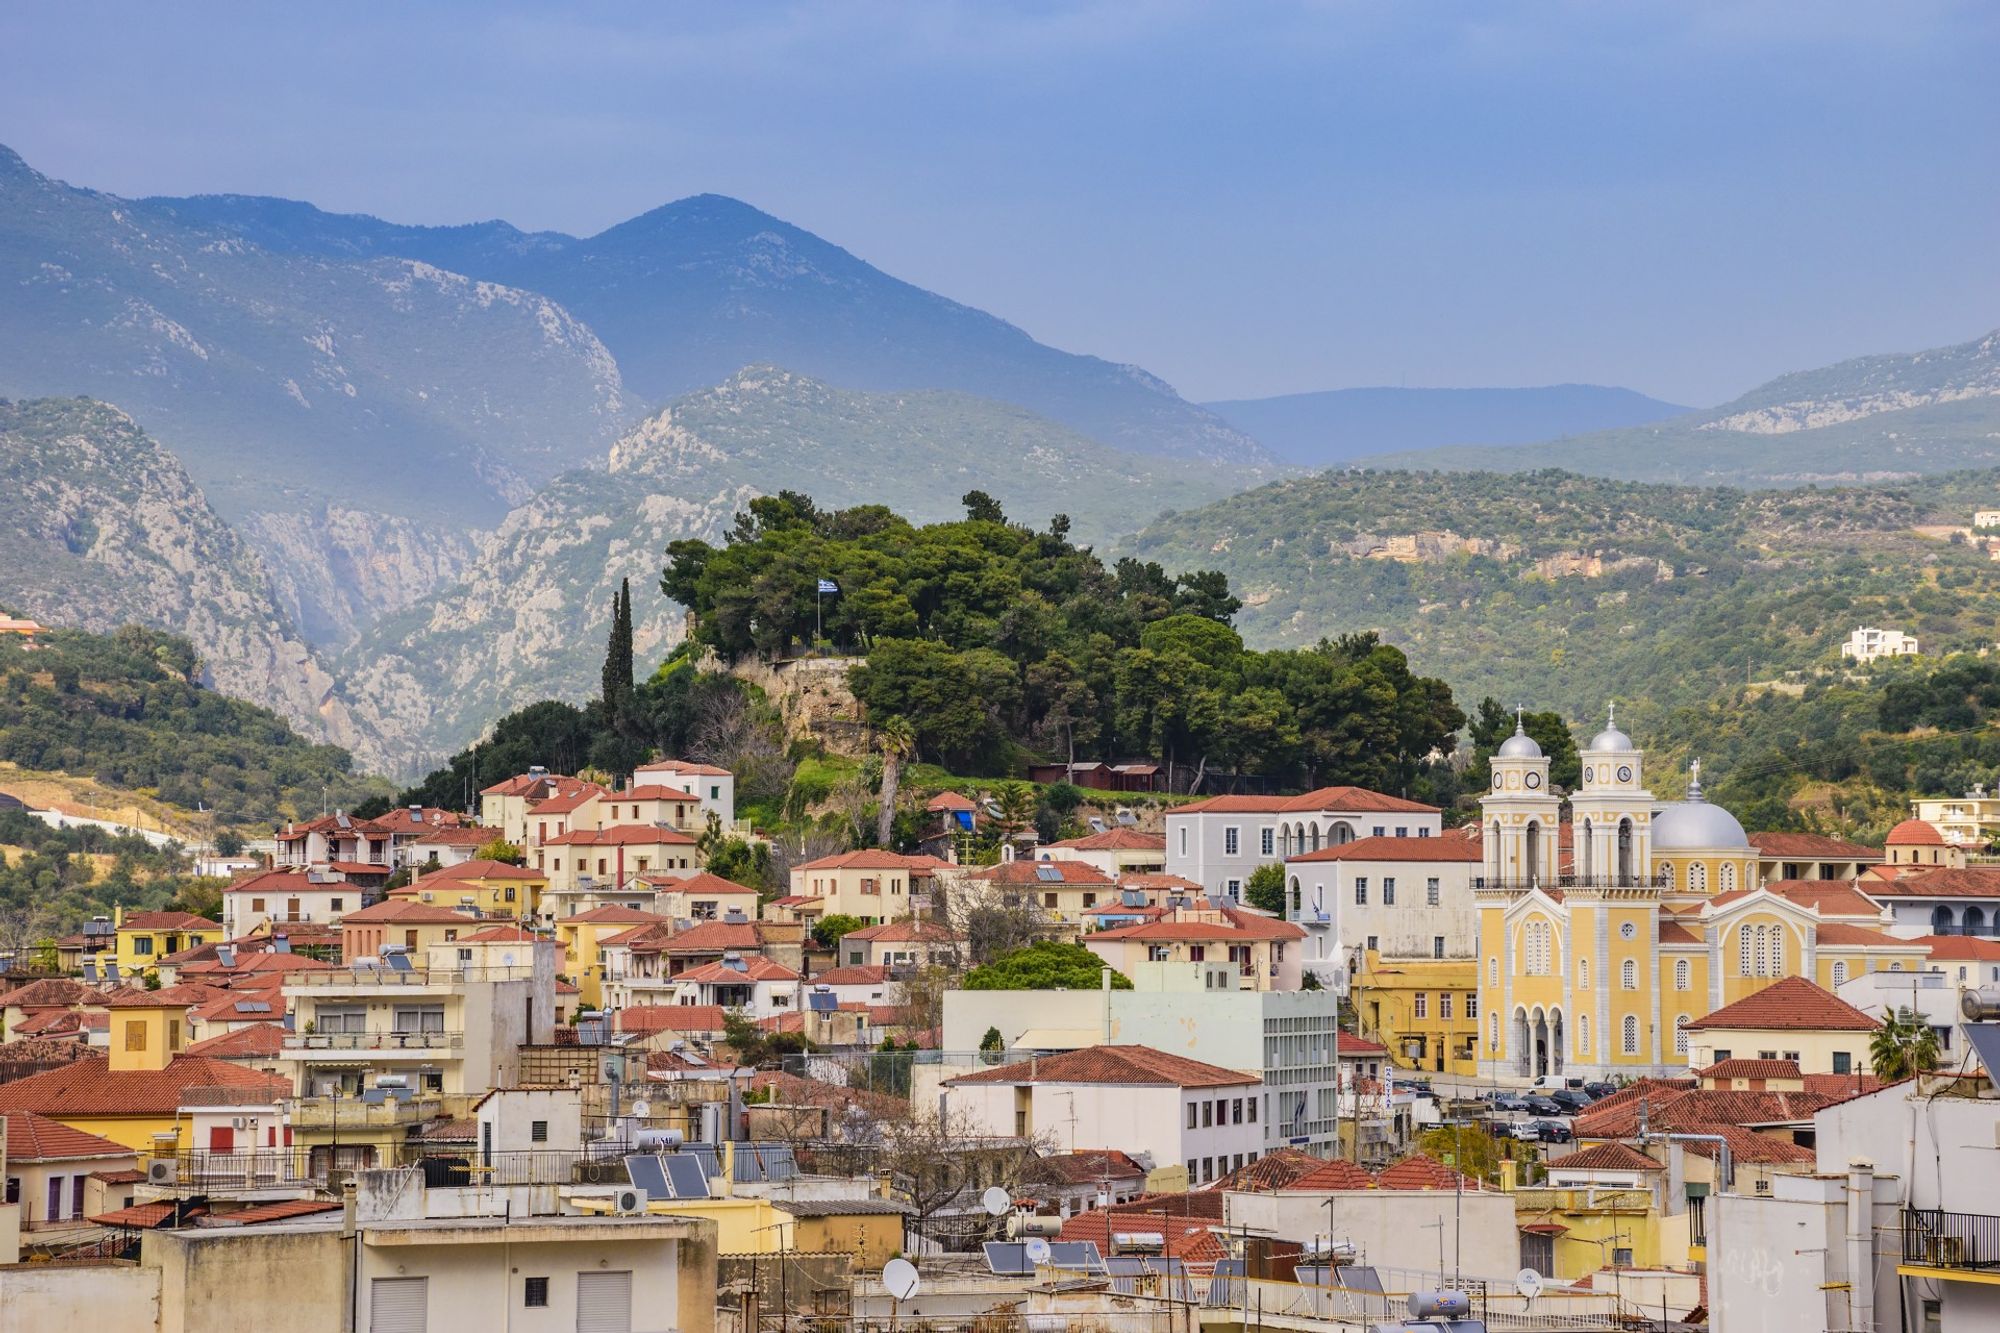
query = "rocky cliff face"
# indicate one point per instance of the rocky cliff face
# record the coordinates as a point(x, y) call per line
point(337, 571)
point(101, 527)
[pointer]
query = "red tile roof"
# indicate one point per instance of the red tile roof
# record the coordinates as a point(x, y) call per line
point(1747, 1068)
point(1606, 1157)
point(949, 800)
point(465, 835)
point(755, 967)
point(1969, 882)
point(1119, 839)
point(48, 993)
point(1914, 833)
point(48, 1023)
point(237, 1006)
point(1432, 850)
point(1060, 871)
point(1419, 1171)
point(1811, 847)
point(500, 934)
point(1187, 1221)
point(566, 799)
point(406, 912)
point(1336, 800)
point(871, 859)
point(1828, 897)
point(1955, 947)
point(281, 1210)
point(167, 921)
point(93, 1088)
point(612, 914)
point(1841, 935)
point(1135, 1066)
point(671, 1018)
point(167, 997)
point(715, 937)
point(34, 1138)
point(1333, 1174)
point(1275, 1170)
point(621, 835)
point(1350, 1044)
point(905, 931)
point(656, 791)
point(1091, 1165)
point(853, 975)
point(683, 766)
point(701, 881)
point(142, 1216)
point(1673, 932)
point(286, 879)
point(257, 1041)
point(483, 869)
point(1792, 1003)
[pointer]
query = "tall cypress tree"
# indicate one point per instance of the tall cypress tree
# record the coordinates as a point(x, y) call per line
point(618, 652)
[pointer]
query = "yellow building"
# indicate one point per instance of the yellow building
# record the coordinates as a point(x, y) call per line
point(138, 1095)
point(582, 937)
point(1792, 1022)
point(1424, 1011)
point(1600, 1207)
point(144, 938)
point(488, 888)
point(1593, 966)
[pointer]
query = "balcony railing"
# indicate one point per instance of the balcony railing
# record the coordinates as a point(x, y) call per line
point(1659, 880)
point(336, 977)
point(374, 1041)
point(355, 1113)
point(1938, 1239)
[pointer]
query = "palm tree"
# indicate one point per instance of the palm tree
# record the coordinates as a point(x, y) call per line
point(897, 739)
point(1904, 1045)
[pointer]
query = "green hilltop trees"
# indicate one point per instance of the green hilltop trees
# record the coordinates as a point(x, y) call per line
point(991, 640)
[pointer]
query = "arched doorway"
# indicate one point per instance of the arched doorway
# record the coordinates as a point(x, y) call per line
point(1534, 852)
point(1625, 870)
point(1538, 1041)
point(1557, 1036)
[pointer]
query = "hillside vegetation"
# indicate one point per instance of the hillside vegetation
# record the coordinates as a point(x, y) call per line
point(129, 710)
point(1566, 591)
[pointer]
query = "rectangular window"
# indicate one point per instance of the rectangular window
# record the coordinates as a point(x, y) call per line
point(135, 1034)
point(1843, 1063)
point(1235, 1110)
point(1420, 1007)
point(1183, 840)
point(1388, 891)
point(1360, 890)
point(1437, 946)
point(1444, 1005)
point(1267, 842)
point(1472, 1004)
point(1374, 944)
point(535, 1293)
point(339, 904)
point(1402, 831)
point(142, 946)
point(1207, 1114)
point(1379, 830)
point(1430, 893)
point(1236, 889)
point(256, 904)
point(538, 1131)
point(1253, 1109)
point(76, 1196)
point(1229, 842)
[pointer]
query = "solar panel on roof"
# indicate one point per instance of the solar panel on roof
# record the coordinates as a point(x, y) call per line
point(282, 944)
point(1226, 1287)
point(253, 1007)
point(649, 1175)
point(1075, 1254)
point(398, 962)
point(1357, 1277)
point(823, 1003)
point(1127, 818)
point(685, 1177)
point(1008, 1258)
point(1049, 874)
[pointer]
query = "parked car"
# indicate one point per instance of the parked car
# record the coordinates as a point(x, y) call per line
point(1552, 1131)
point(1543, 1106)
point(1572, 1100)
point(1599, 1091)
point(1510, 1101)
point(1523, 1130)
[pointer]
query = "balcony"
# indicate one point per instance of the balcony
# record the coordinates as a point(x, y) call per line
point(1966, 1242)
point(310, 1113)
point(374, 1042)
point(400, 978)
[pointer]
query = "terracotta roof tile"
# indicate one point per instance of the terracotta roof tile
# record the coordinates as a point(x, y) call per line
point(1606, 1157)
point(257, 1041)
point(1120, 839)
point(1970, 882)
point(1811, 847)
point(1057, 871)
point(621, 835)
point(167, 921)
point(905, 931)
point(407, 912)
point(34, 1138)
point(1419, 1171)
point(853, 975)
point(671, 1018)
point(484, 869)
point(281, 1210)
point(755, 968)
point(1914, 833)
point(93, 1088)
point(1089, 1166)
point(1333, 1174)
point(1792, 1003)
point(1336, 800)
point(1747, 1068)
point(1138, 1066)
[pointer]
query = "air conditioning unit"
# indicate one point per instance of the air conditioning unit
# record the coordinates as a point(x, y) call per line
point(629, 1202)
point(241, 1122)
point(163, 1171)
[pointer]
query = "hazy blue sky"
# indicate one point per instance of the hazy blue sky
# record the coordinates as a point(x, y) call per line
point(1244, 198)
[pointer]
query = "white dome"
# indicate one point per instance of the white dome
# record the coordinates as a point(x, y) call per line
point(1695, 825)
point(1520, 745)
point(1611, 740)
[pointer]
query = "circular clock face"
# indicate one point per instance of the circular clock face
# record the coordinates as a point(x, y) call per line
point(1624, 772)
point(1627, 931)
point(1496, 782)
point(1534, 779)
point(1589, 775)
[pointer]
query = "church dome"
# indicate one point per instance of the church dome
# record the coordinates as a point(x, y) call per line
point(1914, 833)
point(1611, 740)
point(1520, 745)
point(1695, 825)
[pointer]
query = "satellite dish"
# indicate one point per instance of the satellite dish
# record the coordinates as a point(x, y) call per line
point(1036, 1249)
point(642, 1108)
point(996, 1200)
point(900, 1277)
point(1529, 1283)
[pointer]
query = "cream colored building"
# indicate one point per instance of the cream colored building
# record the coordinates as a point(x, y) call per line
point(1867, 644)
point(1115, 851)
point(1971, 820)
point(1790, 1020)
point(874, 885)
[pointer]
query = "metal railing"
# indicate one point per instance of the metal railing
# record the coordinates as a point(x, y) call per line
point(338, 977)
point(1938, 1239)
point(374, 1041)
point(442, 1165)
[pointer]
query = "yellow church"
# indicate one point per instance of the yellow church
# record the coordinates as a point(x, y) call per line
point(1602, 937)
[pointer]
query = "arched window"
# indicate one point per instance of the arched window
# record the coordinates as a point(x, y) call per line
point(1493, 1032)
point(1941, 920)
point(1625, 851)
point(1493, 974)
point(1667, 880)
point(1683, 974)
point(1973, 922)
point(1583, 974)
point(1760, 950)
point(1298, 898)
point(1698, 877)
point(1839, 973)
point(1589, 851)
point(1628, 975)
point(1726, 877)
point(1534, 851)
point(1680, 1034)
point(1630, 1035)
point(1583, 1034)
point(1895, 967)
point(1776, 944)
point(1743, 936)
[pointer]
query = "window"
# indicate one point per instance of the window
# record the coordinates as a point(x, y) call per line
point(1235, 889)
point(1629, 1038)
point(1493, 1032)
point(1381, 829)
point(1267, 842)
point(1726, 877)
point(256, 904)
point(1253, 1109)
point(1680, 1034)
point(1236, 1110)
point(1582, 1032)
point(1683, 974)
point(143, 945)
point(1840, 973)
point(1444, 1005)
point(1493, 973)
point(1229, 836)
point(1698, 877)
point(1207, 1114)
point(1743, 934)
point(339, 904)
point(1621, 1257)
point(135, 1034)
point(1183, 840)
point(1628, 974)
point(1843, 1063)
point(1388, 891)
point(1360, 890)
point(1430, 892)
point(1472, 1004)
point(1374, 944)
point(1194, 1115)
point(1583, 974)
point(535, 1293)
point(538, 1131)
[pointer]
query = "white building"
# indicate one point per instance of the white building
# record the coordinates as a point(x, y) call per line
point(1164, 1108)
point(1218, 842)
point(1285, 1039)
point(288, 895)
point(1403, 897)
point(714, 788)
point(1868, 643)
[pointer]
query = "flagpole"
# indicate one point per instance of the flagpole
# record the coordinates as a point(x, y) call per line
point(819, 596)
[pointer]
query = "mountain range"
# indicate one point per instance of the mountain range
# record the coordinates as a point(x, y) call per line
point(1337, 426)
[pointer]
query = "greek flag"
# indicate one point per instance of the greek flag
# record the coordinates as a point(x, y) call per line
point(828, 585)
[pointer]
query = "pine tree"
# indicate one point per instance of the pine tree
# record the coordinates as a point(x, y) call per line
point(618, 652)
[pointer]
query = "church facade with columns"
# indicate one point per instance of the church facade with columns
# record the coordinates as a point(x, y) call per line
point(1603, 935)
